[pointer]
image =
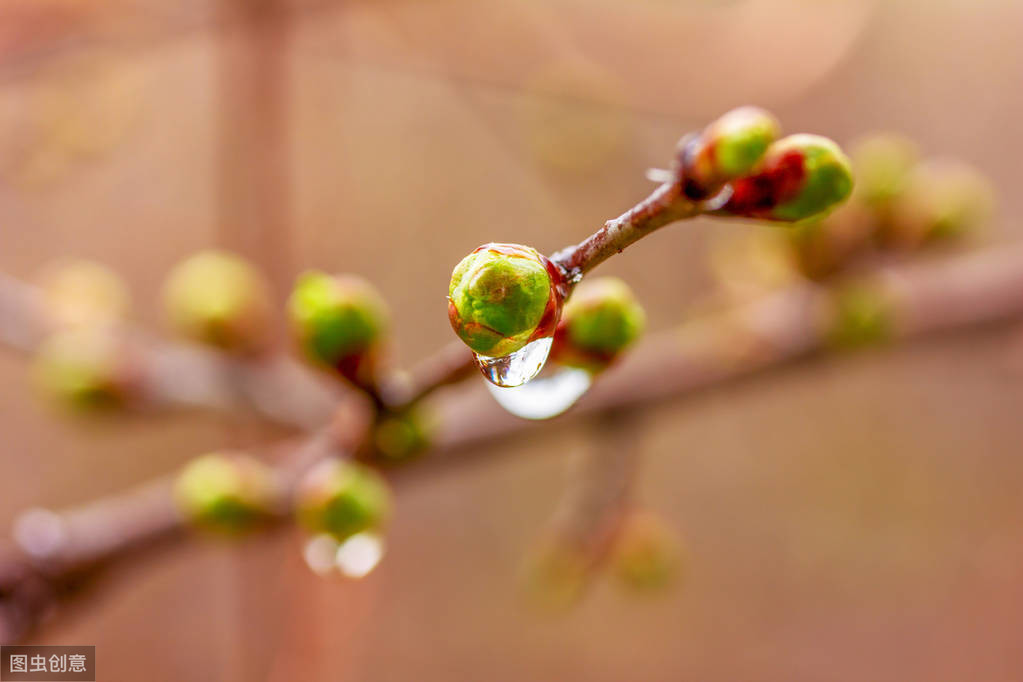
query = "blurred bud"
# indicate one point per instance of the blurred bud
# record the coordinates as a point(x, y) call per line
point(883, 165)
point(86, 368)
point(218, 298)
point(823, 246)
point(728, 148)
point(800, 176)
point(502, 296)
point(226, 492)
point(647, 554)
point(554, 576)
point(943, 200)
point(600, 320)
point(342, 498)
point(861, 314)
point(400, 437)
point(339, 321)
point(83, 292)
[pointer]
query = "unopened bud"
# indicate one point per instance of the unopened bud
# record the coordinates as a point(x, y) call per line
point(502, 296)
point(800, 176)
point(342, 498)
point(83, 292)
point(339, 321)
point(647, 554)
point(219, 299)
point(225, 492)
point(728, 148)
point(87, 368)
point(599, 322)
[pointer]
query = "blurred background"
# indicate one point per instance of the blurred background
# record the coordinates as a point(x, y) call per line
point(856, 518)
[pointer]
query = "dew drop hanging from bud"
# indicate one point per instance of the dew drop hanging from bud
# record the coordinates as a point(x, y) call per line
point(545, 397)
point(359, 555)
point(515, 369)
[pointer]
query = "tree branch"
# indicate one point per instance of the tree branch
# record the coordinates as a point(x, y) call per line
point(665, 205)
point(277, 387)
point(55, 550)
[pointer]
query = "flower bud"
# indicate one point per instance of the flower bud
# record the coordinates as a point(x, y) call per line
point(883, 166)
point(727, 149)
point(83, 292)
point(647, 555)
point(860, 315)
point(800, 176)
point(339, 321)
point(503, 296)
point(400, 437)
point(342, 498)
point(600, 320)
point(943, 200)
point(218, 298)
point(554, 576)
point(86, 368)
point(225, 492)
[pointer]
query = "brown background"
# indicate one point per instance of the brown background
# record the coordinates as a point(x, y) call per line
point(853, 519)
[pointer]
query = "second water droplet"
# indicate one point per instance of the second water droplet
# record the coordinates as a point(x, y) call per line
point(516, 368)
point(545, 397)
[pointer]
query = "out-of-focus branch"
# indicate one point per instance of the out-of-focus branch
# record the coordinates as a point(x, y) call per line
point(969, 290)
point(599, 487)
point(449, 365)
point(964, 291)
point(55, 556)
point(664, 206)
point(277, 388)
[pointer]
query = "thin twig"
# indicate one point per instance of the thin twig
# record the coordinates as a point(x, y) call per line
point(170, 374)
point(56, 556)
point(966, 291)
point(665, 205)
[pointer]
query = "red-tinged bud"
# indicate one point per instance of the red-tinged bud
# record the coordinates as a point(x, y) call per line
point(800, 177)
point(728, 148)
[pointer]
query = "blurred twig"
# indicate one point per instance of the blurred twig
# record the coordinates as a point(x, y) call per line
point(965, 291)
point(55, 556)
point(277, 388)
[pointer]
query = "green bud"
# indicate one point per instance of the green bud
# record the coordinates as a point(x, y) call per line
point(860, 315)
point(86, 368)
point(728, 148)
point(883, 165)
point(225, 492)
point(647, 555)
point(599, 321)
point(554, 577)
point(800, 177)
point(943, 200)
point(400, 437)
point(83, 292)
point(219, 299)
point(501, 297)
point(339, 321)
point(342, 498)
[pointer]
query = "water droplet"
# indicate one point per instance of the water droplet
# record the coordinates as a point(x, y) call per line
point(319, 553)
point(359, 555)
point(518, 367)
point(546, 396)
